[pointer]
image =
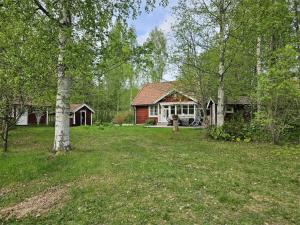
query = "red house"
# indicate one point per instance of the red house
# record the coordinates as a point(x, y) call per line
point(159, 101)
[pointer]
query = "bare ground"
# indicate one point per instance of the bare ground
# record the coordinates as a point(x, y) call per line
point(36, 205)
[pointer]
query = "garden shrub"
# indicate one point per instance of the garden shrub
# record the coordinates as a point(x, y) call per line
point(218, 133)
point(123, 117)
point(237, 129)
point(150, 122)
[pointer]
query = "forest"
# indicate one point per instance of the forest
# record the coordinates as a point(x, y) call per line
point(66, 52)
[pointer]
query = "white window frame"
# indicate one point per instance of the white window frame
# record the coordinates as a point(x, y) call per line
point(150, 113)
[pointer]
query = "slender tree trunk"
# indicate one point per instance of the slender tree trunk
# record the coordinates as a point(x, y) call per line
point(296, 25)
point(62, 121)
point(258, 71)
point(131, 95)
point(220, 106)
point(222, 42)
point(5, 135)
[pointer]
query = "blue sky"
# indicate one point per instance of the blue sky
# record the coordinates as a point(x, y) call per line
point(160, 17)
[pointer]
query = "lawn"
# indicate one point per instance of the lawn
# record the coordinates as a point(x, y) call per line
point(136, 175)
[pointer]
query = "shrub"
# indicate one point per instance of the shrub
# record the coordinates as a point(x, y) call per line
point(150, 122)
point(123, 117)
point(129, 118)
point(218, 133)
point(237, 129)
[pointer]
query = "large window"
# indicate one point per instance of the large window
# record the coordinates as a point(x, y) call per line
point(178, 109)
point(185, 109)
point(153, 110)
point(191, 109)
point(172, 109)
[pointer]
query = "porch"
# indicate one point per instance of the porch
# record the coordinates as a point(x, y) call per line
point(188, 113)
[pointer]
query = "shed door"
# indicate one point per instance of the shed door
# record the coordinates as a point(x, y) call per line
point(23, 120)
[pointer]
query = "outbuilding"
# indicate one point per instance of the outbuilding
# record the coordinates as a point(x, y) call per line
point(81, 114)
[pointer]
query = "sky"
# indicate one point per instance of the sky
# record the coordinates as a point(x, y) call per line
point(160, 17)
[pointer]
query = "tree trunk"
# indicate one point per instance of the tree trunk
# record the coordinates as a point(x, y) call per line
point(5, 135)
point(296, 25)
point(220, 106)
point(62, 111)
point(258, 72)
point(222, 42)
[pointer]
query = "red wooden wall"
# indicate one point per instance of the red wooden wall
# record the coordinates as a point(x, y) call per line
point(142, 113)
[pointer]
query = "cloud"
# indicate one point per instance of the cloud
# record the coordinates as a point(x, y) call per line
point(165, 26)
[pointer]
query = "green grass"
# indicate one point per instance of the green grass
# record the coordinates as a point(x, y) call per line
point(135, 175)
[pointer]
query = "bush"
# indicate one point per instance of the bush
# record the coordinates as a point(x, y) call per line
point(218, 133)
point(129, 118)
point(150, 122)
point(123, 117)
point(237, 129)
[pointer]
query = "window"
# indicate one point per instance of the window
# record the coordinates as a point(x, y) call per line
point(153, 110)
point(178, 109)
point(172, 109)
point(184, 109)
point(191, 109)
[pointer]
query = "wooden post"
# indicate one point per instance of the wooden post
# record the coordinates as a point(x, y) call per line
point(175, 123)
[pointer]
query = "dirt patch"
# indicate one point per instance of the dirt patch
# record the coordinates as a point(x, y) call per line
point(36, 205)
point(4, 191)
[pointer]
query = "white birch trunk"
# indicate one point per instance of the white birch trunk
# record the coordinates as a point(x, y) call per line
point(220, 106)
point(62, 111)
point(258, 71)
point(222, 42)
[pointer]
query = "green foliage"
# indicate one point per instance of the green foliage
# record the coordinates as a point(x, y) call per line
point(280, 97)
point(157, 56)
point(236, 129)
point(218, 133)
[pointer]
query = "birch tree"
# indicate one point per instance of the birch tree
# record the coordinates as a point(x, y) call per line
point(158, 55)
point(214, 17)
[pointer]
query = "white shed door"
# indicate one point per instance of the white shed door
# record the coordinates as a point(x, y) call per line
point(23, 120)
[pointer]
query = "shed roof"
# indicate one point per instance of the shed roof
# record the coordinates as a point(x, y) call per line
point(75, 107)
point(240, 100)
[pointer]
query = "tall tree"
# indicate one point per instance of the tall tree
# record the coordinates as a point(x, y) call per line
point(213, 19)
point(158, 55)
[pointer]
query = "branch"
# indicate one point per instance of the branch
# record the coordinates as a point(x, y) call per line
point(226, 7)
point(45, 11)
point(208, 11)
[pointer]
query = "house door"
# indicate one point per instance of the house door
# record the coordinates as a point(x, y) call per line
point(165, 114)
point(82, 118)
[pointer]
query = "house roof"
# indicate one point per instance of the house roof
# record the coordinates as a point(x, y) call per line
point(152, 92)
point(241, 100)
point(75, 107)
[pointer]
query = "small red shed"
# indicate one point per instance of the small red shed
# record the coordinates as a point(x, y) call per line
point(81, 114)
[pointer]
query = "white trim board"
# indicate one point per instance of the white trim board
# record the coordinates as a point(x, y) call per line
point(171, 92)
point(83, 106)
